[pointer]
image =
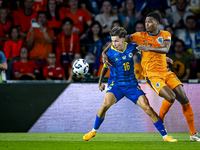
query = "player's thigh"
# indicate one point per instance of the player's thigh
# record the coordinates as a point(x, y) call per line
point(155, 83)
point(172, 81)
point(116, 91)
point(133, 93)
point(180, 94)
point(109, 99)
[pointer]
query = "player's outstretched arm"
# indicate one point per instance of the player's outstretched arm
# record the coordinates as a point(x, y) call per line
point(103, 73)
point(164, 49)
point(105, 57)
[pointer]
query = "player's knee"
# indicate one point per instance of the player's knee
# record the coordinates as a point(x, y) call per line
point(172, 97)
point(105, 107)
point(184, 99)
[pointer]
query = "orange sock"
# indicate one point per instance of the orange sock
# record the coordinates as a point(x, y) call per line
point(164, 109)
point(188, 113)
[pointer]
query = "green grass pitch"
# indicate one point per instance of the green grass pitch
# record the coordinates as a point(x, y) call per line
point(102, 141)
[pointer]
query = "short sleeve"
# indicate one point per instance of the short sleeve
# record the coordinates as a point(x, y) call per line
point(166, 36)
point(134, 37)
point(87, 16)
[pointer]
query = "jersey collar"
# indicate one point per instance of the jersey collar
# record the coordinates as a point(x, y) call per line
point(154, 34)
point(120, 51)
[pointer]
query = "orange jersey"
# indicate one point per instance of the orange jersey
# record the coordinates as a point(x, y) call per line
point(79, 18)
point(153, 64)
point(20, 19)
point(41, 48)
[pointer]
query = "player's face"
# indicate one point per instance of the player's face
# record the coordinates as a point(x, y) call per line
point(24, 53)
point(118, 43)
point(73, 3)
point(67, 28)
point(42, 20)
point(106, 7)
point(3, 13)
point(28, 4)
point(95, 29)
point(52, 5)
point(139, 27)
point(14, 33)
point(151, 24)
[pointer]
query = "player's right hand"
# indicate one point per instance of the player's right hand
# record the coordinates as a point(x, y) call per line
point(101, 87)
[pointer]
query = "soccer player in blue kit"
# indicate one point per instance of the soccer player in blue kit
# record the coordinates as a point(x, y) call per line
point(122, 82)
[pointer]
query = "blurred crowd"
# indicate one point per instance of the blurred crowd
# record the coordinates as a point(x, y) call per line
point(42, 38)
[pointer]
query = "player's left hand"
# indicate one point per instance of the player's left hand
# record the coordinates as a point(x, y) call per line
point(142, 48)
point(169, 60)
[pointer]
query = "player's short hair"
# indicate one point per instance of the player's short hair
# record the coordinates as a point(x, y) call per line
point(191, 17)
point(118, 31)
point(41, 12)
point(68, 20)
point(154, 15)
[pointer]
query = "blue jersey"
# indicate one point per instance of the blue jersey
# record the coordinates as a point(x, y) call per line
point(122, 70)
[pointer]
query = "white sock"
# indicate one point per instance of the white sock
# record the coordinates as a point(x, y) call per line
point(164, 136)
point(95, 130)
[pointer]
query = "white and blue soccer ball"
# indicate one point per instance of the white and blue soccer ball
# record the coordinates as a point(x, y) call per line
point(80, 67)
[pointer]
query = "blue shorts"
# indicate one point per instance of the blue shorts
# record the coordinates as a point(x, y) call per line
point(132, 93)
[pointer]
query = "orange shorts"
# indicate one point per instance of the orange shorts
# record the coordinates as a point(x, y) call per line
point(157, 83)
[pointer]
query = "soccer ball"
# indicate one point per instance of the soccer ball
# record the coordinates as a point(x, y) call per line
point(80, 67)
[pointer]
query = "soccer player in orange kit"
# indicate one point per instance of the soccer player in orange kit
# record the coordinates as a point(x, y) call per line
point(155, 44)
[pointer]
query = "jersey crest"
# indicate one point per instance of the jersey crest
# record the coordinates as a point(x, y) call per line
point(160, 40)
point(130, 55)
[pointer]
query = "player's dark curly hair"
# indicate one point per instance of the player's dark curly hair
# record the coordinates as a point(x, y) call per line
point(154, 15)
point(118, 31)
